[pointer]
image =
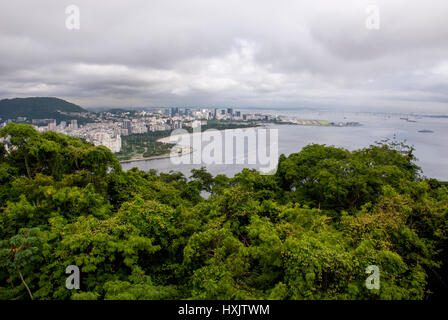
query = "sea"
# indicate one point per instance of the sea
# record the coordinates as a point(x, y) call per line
point(431, 148)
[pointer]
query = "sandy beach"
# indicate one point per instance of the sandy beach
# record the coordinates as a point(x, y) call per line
point(170, 139)
point(176, 136)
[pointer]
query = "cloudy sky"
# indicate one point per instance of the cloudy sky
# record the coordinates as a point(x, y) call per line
point(240, 53)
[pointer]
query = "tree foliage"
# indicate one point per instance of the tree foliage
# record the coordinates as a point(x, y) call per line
point(307, 232)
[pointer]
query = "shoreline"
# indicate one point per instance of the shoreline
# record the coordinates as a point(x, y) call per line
point(167, 140)
point(160, 156)
point(190, 134)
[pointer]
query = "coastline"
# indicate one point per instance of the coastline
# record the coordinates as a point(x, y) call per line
point(190, 134)
point(161, 156)
point(168, 140)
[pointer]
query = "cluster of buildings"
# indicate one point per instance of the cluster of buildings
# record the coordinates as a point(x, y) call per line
point(215, 114)
point(102, 133)
point(108, 128)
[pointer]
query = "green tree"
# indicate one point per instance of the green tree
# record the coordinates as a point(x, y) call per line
point(18, 252)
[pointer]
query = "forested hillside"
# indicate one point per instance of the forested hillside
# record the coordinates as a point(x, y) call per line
point(37, 108)
point(307, 232)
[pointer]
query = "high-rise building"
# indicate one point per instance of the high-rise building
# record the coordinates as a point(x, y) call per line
point(104, 139)
point(127, 125)
point(174, 111)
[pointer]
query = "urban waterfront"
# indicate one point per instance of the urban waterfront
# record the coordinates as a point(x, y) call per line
point(431, 149)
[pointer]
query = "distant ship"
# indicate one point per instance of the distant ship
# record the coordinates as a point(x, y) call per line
point(426, 131)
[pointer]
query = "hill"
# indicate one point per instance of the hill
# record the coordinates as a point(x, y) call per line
point(37, 108)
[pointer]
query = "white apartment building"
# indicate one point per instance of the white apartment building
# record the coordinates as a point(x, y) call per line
point(104, 139)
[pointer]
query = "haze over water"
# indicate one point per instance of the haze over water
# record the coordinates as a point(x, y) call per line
point(431, 149)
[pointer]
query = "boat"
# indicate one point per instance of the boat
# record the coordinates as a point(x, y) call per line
point(426, 131)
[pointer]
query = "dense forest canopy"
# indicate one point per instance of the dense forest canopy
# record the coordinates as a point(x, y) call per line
point(307, 232)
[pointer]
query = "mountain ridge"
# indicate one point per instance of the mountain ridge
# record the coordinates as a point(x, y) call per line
point(37, 108)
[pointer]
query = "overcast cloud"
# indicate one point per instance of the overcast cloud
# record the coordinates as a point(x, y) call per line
point(245, 53)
